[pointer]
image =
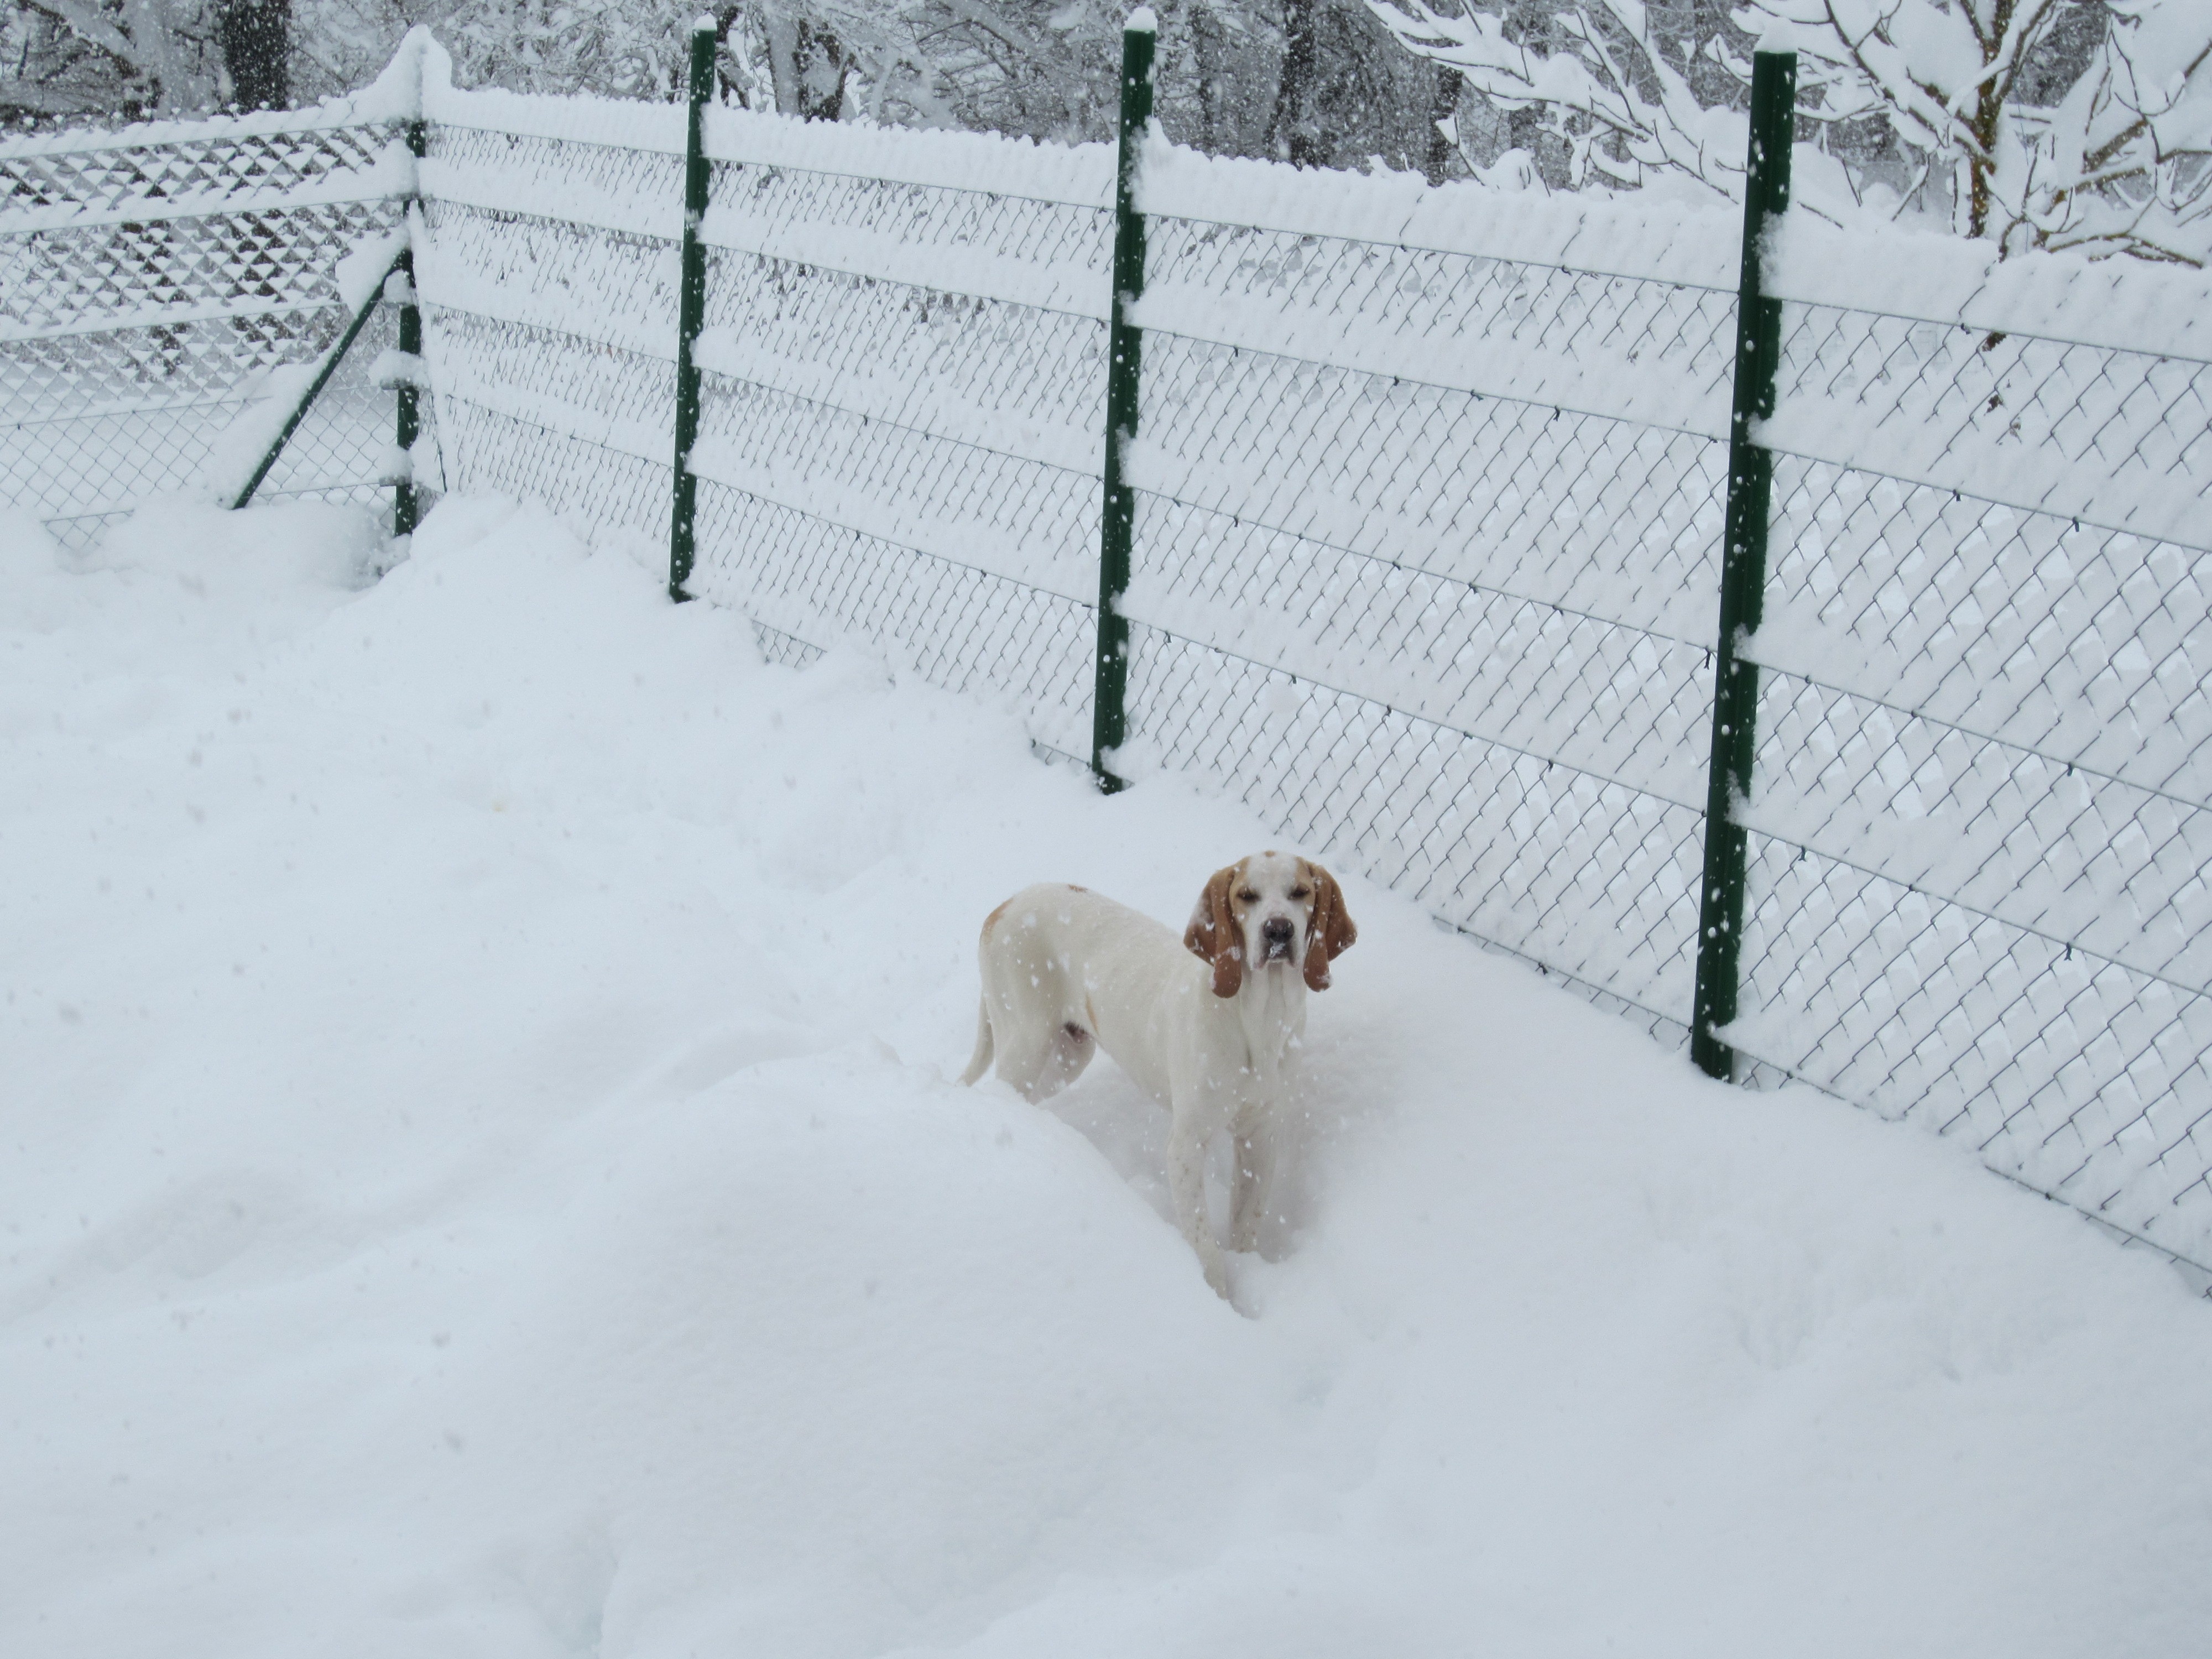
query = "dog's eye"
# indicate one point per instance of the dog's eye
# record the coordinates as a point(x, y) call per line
point(1301, 892)
point(1247, 897)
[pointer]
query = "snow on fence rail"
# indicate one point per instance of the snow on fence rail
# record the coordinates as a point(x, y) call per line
point(159, 282)
point(1425, 564)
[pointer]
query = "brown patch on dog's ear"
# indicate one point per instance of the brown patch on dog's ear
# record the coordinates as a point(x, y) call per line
point(1213, 935)
point(1329, 934)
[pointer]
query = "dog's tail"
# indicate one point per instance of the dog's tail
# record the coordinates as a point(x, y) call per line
point(981, 1061)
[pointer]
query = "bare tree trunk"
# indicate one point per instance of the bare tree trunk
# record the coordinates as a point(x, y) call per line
point(1206, 55)
point(1988, 117)
point(821, 66)
point(1444, 106)
point(1291, 134)
point(256, 49)
point(1989, 111)
point(808, 65)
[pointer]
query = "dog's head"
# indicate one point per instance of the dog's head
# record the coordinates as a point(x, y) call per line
point(1270, 911)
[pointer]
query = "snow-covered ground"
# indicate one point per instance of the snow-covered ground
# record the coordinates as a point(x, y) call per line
point(485, 1175)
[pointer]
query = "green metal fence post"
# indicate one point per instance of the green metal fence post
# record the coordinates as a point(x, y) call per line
point(1743, 566)
point(406, 505)
point(691, 314)
point(1124, 354)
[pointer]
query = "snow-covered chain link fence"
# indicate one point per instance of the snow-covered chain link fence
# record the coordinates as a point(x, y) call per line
point(1977, 889)
point(158, 284)
point(1413, 602)
point(903, 380)
point(1430, 489)
point(1425, 567)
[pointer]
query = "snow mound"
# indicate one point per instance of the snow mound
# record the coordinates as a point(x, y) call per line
point(486, 1177)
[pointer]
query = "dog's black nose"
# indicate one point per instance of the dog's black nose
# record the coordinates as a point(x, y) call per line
point(1276, 930)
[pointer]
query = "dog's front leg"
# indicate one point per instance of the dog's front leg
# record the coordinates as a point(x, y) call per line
point(1187, 1143)
point(1253, 1186)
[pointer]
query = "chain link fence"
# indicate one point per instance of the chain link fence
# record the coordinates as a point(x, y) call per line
point(1458, 635)
point(1425, 562)
point(551, 340)
point(153, 283)
point(1426, 569)
point(1979, 840)
point(909, 463)
point(915, 466)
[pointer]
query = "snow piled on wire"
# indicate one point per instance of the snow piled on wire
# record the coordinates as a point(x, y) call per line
point(1080, 175)
point(2126, 305)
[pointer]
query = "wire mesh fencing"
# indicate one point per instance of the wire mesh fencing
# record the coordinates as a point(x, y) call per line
point(911, 462)
point(154, 283)
point(1978, 893)
point(1487, 683)
point(915, 466)
point(551, 340)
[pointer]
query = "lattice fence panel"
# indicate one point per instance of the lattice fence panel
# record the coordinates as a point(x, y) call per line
point(909, 464)
point(220, 167)
point(958, 627)
point(147, 288)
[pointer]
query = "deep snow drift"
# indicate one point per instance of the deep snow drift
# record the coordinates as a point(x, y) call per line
point(485, 1176)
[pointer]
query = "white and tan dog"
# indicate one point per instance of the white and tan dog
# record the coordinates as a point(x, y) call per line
point(1210, 1026)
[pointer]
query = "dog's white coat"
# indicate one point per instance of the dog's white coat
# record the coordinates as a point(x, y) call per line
point(1066, 971)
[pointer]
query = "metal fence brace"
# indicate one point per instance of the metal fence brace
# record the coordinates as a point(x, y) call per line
point(1124, 361)
point(1743, 566)
point(331, 361)
point(691, 314)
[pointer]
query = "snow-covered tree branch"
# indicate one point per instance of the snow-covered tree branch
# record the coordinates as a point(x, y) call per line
point(81, 57)
point(2122, 163)
point(1599, 74)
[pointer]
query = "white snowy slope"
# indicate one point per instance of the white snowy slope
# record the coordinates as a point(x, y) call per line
point(484, 1177)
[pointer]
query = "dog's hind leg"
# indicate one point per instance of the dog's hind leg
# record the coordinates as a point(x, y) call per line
point(1025, 1061)
point(1035, 1059)
point(1040, 1063)
point(1072, 1045)
point(980, 1062)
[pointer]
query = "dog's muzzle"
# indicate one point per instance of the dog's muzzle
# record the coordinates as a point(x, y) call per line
point(1276, 936)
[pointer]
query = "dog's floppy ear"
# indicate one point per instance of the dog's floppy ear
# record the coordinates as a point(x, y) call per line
point(1330, 933)
point(1214, 936)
